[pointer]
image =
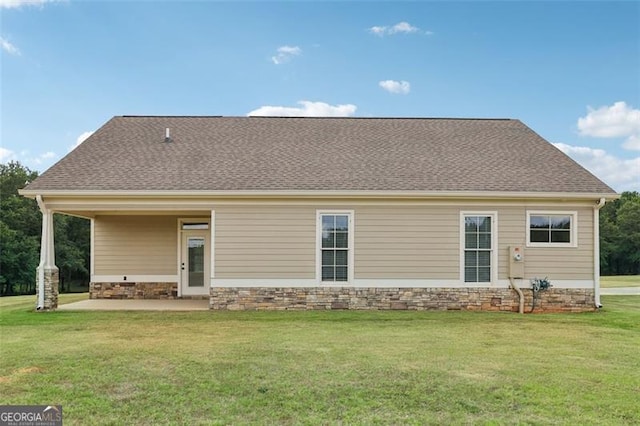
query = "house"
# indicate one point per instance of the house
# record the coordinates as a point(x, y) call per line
point(327, 213)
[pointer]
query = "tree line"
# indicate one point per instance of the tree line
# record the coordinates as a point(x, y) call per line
point(620, 236)
point(20, 232)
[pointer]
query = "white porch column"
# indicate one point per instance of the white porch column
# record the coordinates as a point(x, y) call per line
point(47, 272)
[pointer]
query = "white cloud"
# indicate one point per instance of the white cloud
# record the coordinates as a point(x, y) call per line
point(41, 159)
point(80, 139)
point(285, 53)
point(378, 30)
point(16, 4)
point(619, 173)
point(38, 162)
point(615, 121)
point(6, 155)
point(392, 86)
point(8, 47)
point(46, 156)
point(307, 109)
point(632, 142)
point(401, 27)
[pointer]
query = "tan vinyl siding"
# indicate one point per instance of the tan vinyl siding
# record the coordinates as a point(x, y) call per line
point(135, 245)
point(265, 242)
point(390, 242)
point(565, 263)
point(562, 263)
point(412, 242)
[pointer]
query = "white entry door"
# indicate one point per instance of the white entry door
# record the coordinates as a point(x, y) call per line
point(195, 258)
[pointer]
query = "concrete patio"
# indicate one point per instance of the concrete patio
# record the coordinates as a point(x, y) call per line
point(136, 305)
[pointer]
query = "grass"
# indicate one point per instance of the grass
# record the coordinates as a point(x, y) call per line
point(324, 367)
point(620, 281)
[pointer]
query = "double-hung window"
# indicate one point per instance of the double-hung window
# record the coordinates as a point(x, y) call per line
point(478, 235)
point(335, 246)
point(551, 229)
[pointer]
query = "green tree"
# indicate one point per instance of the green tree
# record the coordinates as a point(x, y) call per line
point(620, 235)
point(629, 238)
point(73, 247)
point(18, 261)
point(20, 232)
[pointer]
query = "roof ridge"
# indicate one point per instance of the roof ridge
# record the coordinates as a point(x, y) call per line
point(322, 118)
point(170, 116)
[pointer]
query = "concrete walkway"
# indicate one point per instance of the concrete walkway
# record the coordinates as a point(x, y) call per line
point(136, 305)
point(620, 291)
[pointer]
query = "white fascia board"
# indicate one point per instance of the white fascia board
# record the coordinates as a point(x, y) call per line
point(321, 194)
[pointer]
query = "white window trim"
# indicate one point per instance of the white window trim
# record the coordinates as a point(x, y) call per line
point(494, 246)
point(573, 232)
point(350, 242)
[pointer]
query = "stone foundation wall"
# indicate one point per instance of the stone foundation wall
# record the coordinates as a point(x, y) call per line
point(133, 290)
point(325, 298)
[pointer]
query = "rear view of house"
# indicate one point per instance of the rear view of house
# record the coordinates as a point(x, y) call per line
point(328, 213)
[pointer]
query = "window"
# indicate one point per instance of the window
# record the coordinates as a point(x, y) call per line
point(335, 242)
point(194, 225)
point(551, 229)
point(478, 242)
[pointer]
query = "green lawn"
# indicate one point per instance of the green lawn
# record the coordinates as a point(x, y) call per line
point(324, 367)
point(620, 281)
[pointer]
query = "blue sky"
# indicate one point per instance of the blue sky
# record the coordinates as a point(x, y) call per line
point(569, 70)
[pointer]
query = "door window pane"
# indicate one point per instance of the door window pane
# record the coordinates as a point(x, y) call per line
point(196, 261)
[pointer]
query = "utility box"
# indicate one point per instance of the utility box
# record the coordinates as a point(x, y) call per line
point(516, 262)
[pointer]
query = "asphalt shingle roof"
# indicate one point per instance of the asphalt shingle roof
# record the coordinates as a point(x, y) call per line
point(317, 154)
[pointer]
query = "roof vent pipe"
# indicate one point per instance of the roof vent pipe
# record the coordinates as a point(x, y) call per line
point(167, 135)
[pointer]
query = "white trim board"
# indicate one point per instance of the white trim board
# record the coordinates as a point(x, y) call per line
point(384, 283)
point(368, 283)
point(525, 284)
point(134, 278)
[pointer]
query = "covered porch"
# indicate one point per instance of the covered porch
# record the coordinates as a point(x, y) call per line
point(141, 249)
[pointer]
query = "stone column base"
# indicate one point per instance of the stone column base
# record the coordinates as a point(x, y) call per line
point(51, 281)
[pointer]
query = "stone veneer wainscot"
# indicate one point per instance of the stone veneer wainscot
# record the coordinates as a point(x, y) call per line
point(327, 298)
point(133, 290)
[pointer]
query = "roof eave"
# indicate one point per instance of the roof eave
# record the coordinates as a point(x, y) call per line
point(322, 194)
